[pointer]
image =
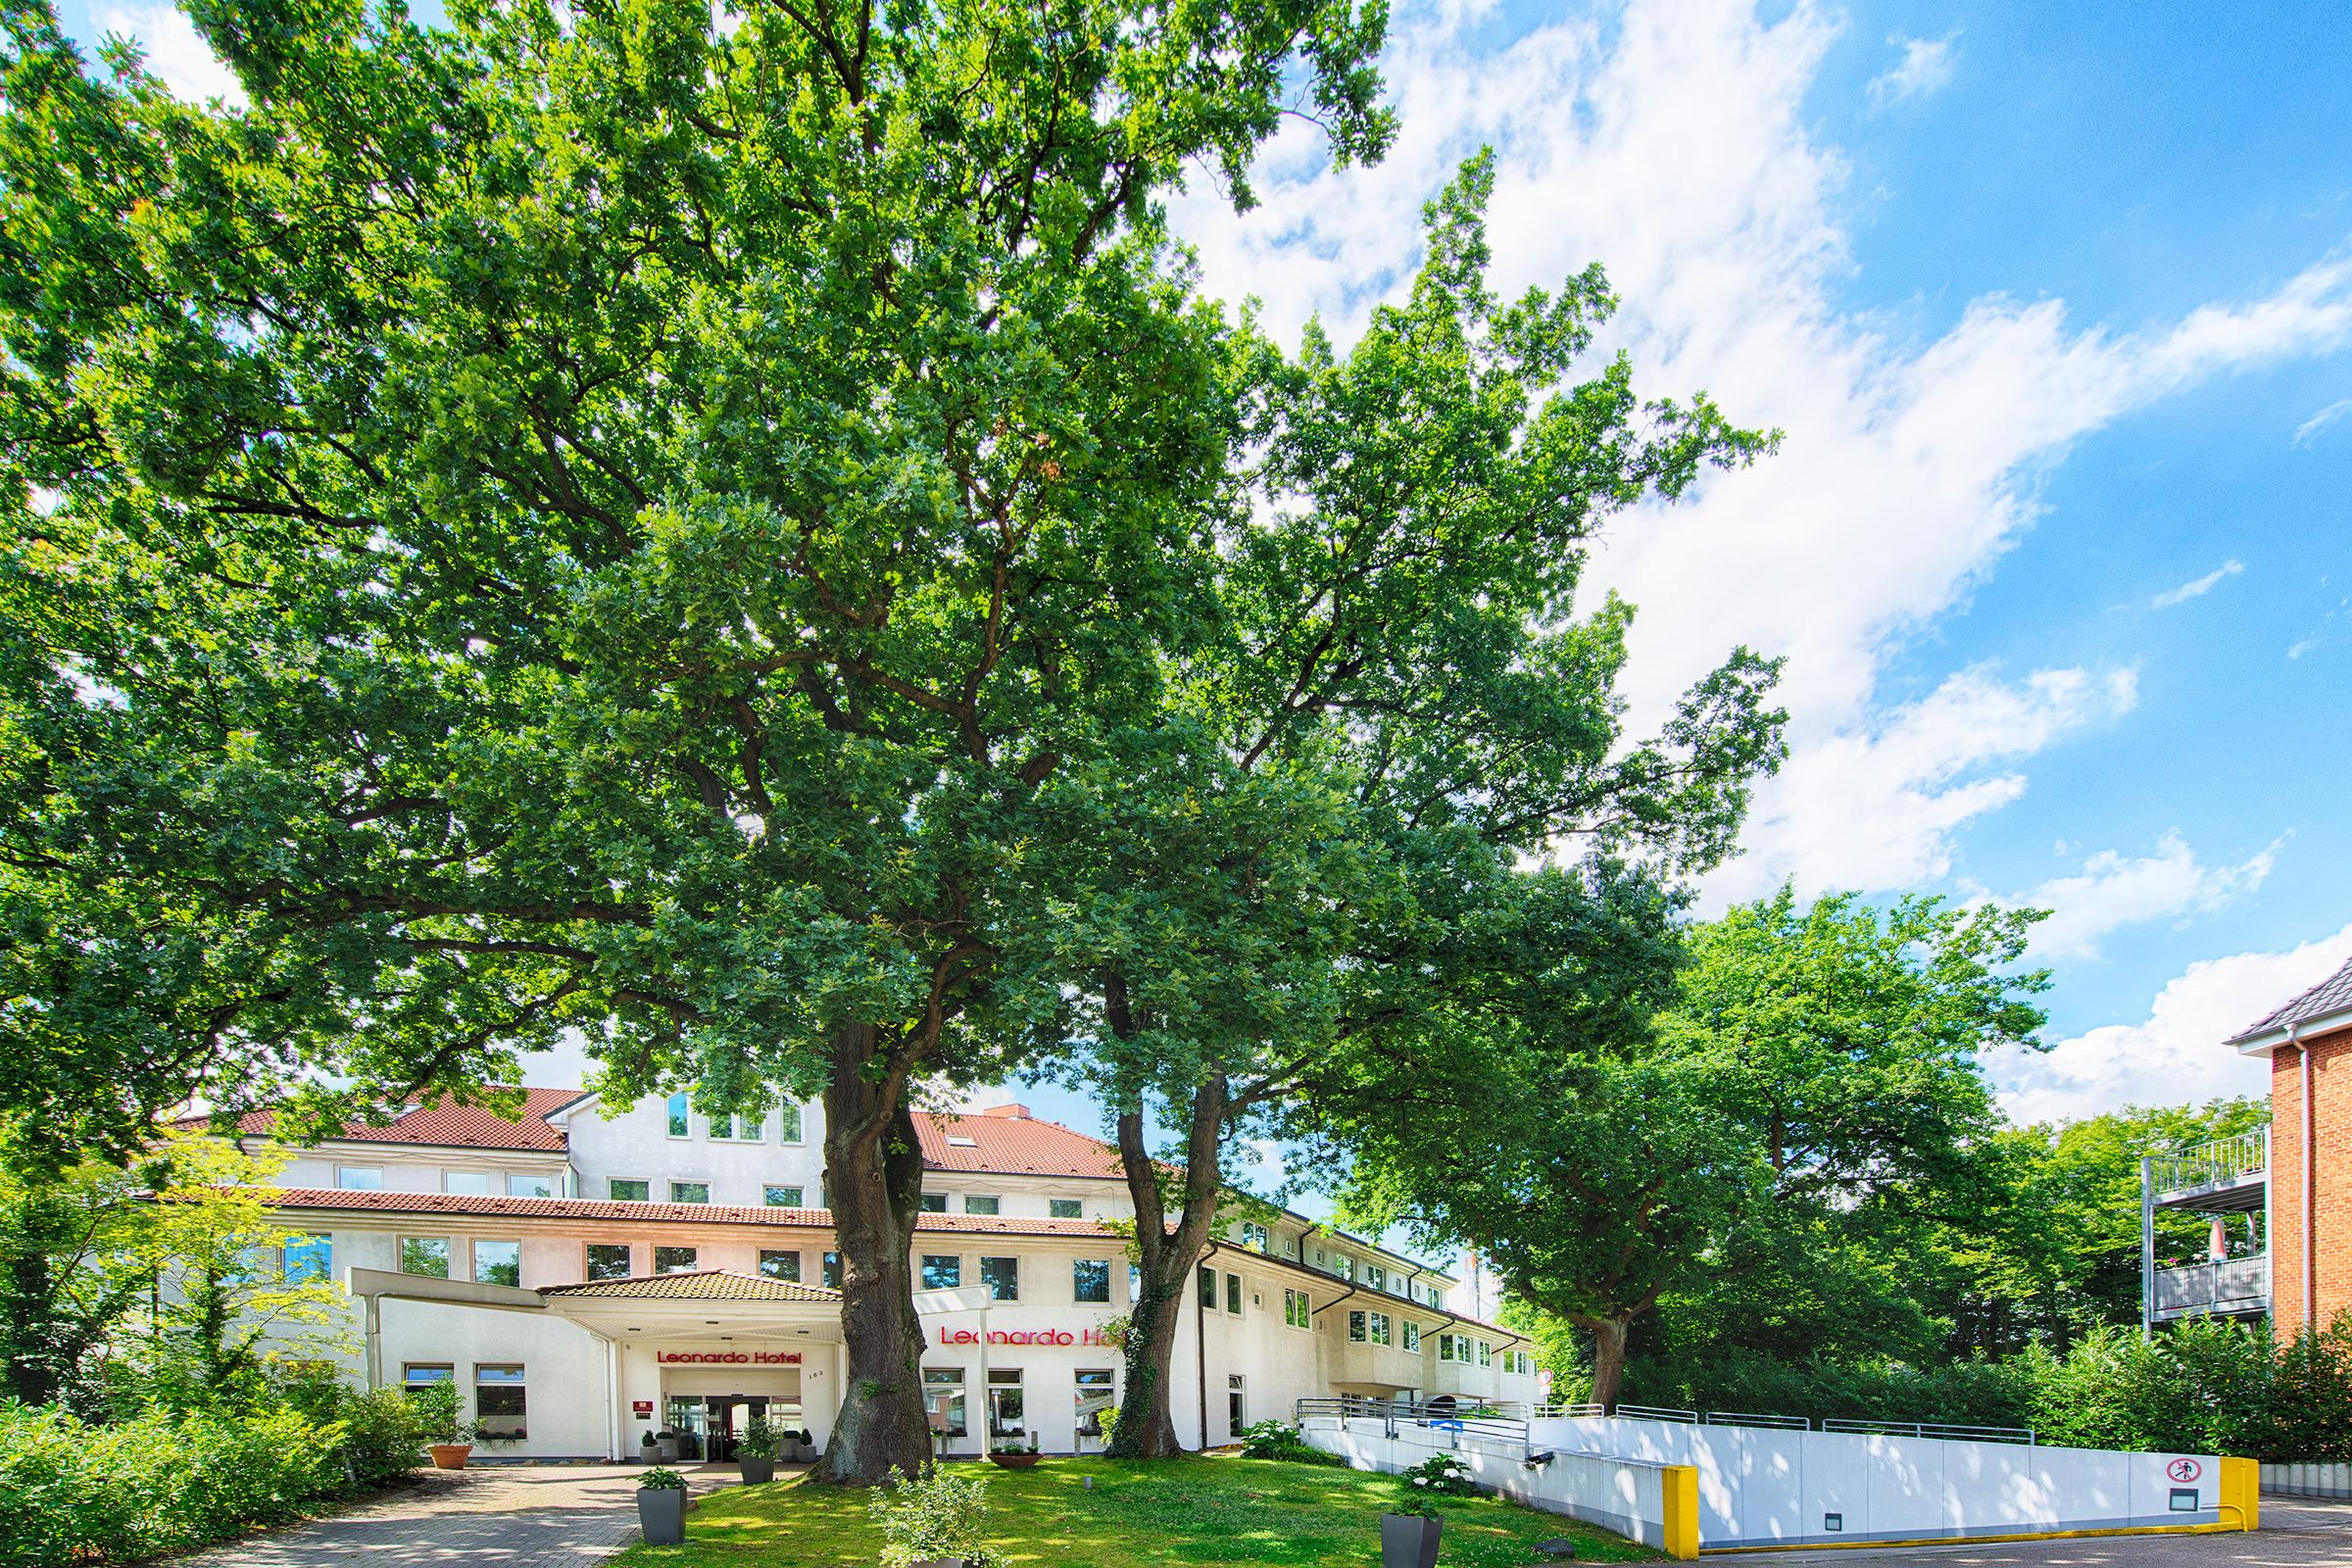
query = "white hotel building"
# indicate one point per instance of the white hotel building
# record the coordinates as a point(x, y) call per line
point(587, 1280)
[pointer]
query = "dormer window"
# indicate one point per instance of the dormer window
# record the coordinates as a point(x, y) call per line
point(958, 1141)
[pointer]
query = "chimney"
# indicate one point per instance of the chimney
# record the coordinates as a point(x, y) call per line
point(1012, 1112)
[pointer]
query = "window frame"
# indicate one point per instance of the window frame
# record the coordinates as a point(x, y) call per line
point(548, 1182)
point(679, 1115)
point(693, 1264)
point(798, 1190)
point(925, 1270)
point(703, 1201)
point(994, 1201)
point(1232, 1293)
point(795, 1132)
point(302, 1274)
point(1356, 1326)
point(1013, 1289)
point(1077, 1297)
point(400, 1255)
point(1055, 1206)
point(767, 1252)
point(473, 1258)
point(342, 1186)
point(520, 1385)
point(588, 1265)
point(645, 1182)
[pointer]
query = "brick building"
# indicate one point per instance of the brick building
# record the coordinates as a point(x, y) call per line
point(2308, 1044)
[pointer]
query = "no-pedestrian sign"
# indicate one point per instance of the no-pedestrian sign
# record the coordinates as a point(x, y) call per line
point(2185, 1469)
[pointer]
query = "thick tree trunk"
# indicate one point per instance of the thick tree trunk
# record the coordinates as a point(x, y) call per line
point(1145, 1428)
point(1608, 1357)
point(874, 1182)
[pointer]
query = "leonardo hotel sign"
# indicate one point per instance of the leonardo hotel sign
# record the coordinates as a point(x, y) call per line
point(1028, 1337)
point(728, 1358)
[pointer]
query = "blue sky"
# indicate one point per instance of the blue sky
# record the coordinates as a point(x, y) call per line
point(2055, 306)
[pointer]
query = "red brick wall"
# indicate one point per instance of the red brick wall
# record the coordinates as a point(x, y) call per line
point(2332, 1104)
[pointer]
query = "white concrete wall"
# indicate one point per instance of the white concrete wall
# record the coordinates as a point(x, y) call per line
point(1616, 1493)
point(570, 1398)
point(2308, 1480)
point(1758, 1486)
point(411, 1168)
point(637, 1144)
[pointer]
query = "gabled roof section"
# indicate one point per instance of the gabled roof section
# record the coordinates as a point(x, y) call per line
point(1010, 1142)
point(2328, 997)
point(444, 1123)
point(696, 1284)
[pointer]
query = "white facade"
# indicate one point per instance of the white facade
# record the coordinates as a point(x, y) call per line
point(453, 1274)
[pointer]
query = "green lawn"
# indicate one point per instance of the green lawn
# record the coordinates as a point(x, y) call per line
point(1211, 1510)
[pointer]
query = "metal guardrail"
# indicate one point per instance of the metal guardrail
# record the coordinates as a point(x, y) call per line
point(1651, 1412)
point(1748, 1418)
point(2228, 1285)
point(1946, 1430)
point(1501, 1420)
point(1568, 1412)
point(2224, 1160)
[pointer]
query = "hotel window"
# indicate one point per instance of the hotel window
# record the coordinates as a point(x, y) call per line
point(780, 1266)
point(607, 1263)
point(1135, 1283)
point(531, 1187)
point(466, 1183)
point(416, 1375)
point(631, 1190)
point(1233, 1294)
point(788, 1121)
point(1098, 1390)
point(935, 1202)
point(1003, 1277)
point(977, 1203)
point(781, 1197)
point(359, 1178)
point(1296, 1311)
point(1208, 1290)
point(1412, 1335)
point(1356, 1327)
point(308, 1257)
point(674, 1259)
point(677, 1116)
point(1380, 1328)
point(1064, 1209)
point(942, 1272)
point(736, 1129)
point(942, 1397)
point(1485, 1354)
point(426, 1255)
point(1007, 1409)
point(1237, 1408)
point(1376, 1278)
point(1090, 1281)
point(1344, 1266)
point(497, 1401)
point(829, 1271)
point(1445, 1347)
point(690, 1192)
point(498, 1262)
point(1255, 1235)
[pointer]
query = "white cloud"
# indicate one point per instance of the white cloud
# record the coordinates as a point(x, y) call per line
point(1925, 66)
point(1675, 148)
point(2297, 649)
point(2115, 889)
point(175, 52)
point(2322, 421)
point(2196, 587)
point(2175, 1054)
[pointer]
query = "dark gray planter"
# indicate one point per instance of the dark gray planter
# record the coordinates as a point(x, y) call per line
point(666, 1449)
point(756, 1470)
point(1406, 1540)
point(662, 1514)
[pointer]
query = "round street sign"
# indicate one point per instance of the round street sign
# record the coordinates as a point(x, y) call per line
point(2184, 1470)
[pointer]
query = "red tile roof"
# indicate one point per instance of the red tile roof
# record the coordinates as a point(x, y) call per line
point(444, 1123)
point(1009, 1141)
point(697, 1285)
point(389, 1202)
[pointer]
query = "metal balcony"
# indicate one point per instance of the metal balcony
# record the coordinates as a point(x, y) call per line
point(2237, 1287)
point(2225, 1176)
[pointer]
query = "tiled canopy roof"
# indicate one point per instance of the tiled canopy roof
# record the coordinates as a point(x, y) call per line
point(392, 1202)
point(1009, 1141)
point(698, 1285)
point(2331, 996)
point(446, 1124)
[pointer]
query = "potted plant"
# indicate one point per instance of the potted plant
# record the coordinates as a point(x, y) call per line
point(803, 1445)
point(1406, 1540)
point(645, 1446)
point(447, 1438)
point(755, 1452)
point(934, 1520)
point(1409, 1538)
point(662, 1506)
point(665, 1446)
point(1012, 1454)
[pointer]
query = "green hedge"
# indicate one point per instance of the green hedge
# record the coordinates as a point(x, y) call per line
point(84, 1493)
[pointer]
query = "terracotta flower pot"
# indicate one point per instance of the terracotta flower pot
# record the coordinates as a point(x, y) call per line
point(449, 1455)
point(1408, 1541)
point(1014, 1461)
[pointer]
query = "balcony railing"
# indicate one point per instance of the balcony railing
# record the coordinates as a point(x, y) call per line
point(2216, 1164)
point(2231, 1285)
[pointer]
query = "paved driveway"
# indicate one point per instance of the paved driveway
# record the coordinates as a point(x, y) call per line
point(492, 1516)
point(2295, 1533)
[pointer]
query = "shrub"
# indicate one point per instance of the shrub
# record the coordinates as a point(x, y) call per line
point(936, 1514)
point(382, 1436)
point(1279, 1439)
point(1440, 1475)
point(157, 1483)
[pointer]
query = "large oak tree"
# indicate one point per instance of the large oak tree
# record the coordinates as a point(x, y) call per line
point(603, 517)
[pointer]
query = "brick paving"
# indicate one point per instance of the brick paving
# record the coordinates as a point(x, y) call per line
point(489, 1516)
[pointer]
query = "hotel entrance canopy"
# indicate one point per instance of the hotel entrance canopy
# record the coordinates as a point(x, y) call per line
point(689, 1306)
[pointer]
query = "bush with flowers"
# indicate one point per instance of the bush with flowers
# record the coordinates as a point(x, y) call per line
point(1440, 1475)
